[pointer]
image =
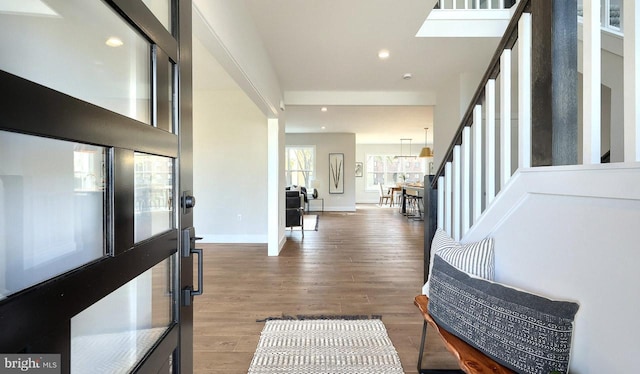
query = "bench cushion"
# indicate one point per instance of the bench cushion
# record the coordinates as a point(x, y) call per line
point(475, 258)
point(522, 331)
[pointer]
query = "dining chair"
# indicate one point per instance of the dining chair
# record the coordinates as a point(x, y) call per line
point(384, 196)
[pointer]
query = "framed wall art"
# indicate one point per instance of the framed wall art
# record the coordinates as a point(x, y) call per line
point(359, 169)
point(336, 173)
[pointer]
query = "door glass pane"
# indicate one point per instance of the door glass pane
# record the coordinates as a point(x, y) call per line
point(153, 195)
point(162, 10)
point(112, 335)
point(81, 48)
point(52, 208)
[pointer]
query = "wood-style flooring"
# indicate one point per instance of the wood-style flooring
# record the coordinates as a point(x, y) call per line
point(367, 262)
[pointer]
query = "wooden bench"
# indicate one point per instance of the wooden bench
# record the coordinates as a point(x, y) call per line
point(471, 360)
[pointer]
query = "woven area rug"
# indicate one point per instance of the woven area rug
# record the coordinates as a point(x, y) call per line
point(325, 346)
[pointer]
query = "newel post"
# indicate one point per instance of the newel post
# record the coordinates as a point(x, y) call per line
point(430, 201)
point(554, 75)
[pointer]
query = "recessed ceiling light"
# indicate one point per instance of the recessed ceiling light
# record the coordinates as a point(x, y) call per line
point(407, 76)
point(323, 127)
point(383, 54)
point(323, 109)
point(114, 42)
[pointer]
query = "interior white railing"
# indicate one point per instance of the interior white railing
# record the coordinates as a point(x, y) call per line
point(475, 4)
point(482, 157)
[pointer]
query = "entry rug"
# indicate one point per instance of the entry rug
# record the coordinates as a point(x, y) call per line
point(325, 346)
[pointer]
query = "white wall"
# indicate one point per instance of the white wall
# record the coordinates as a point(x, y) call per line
point(571, 233)
point(453, 100)
point(362, 150)
point(229, 168)
point(332, 143)
point(227, 29)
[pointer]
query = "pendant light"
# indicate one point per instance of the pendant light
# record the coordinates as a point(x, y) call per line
point(402, 141)
point(426, 151)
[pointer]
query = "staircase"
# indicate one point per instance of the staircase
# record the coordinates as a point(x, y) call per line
point(565, 224)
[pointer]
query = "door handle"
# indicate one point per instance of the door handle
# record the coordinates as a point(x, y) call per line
point(188, 249)
point(198, 292)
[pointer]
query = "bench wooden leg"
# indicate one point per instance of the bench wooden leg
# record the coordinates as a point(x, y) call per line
point(431, 371)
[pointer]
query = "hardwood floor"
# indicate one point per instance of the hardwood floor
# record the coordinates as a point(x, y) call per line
point(368, 262)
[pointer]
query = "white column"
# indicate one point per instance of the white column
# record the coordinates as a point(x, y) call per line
point(447, 198)
point(505, 117)
point(490, 145)
point(477, 162)
point(275, 186)
point(524, 91)
point(591, 83)
point(457, 185)
point(631, 81)
point(441, 189)
point(466, 179)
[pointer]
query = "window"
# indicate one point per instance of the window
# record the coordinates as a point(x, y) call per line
point(299, 165)
point(91, 54)
point(611, 13)
point(115, 345)
point(153, 195)
point(389, 170)
point(52, 208)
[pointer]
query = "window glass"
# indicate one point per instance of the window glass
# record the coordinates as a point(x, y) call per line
point(80, 48)
point(162, 10)
point(299, 165)
point(153, 195)
point(113, 335)
point(387, 170)
point(580, 8)
point(615, 14)
point(52, 208)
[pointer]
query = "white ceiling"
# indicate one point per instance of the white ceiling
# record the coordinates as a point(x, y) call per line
point(332, 46)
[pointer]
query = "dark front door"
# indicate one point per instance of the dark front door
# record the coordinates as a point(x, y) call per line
point(95, 170)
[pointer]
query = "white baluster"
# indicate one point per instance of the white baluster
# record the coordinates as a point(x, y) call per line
point(524, 91)
point(477, 4)
point(631, 80)
point(457, 186)
point(447, 197)
point(591, 83)
point(505, 117)
point(466, 179)
point(441, 189)
point(477, 162)
point(490, 145)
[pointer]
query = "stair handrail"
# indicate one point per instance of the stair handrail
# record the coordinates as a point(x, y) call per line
point(507, 42)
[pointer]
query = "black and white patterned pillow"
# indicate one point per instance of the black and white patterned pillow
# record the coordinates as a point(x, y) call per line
point(474, 258)
point(522, 331)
